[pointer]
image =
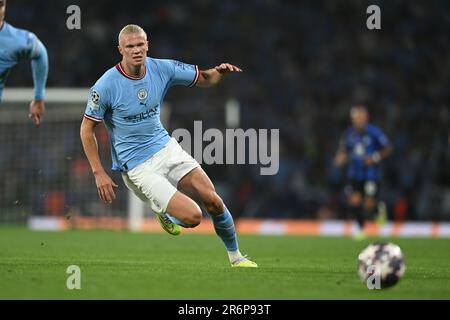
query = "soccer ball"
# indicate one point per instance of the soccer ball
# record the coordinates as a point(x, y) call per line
point(381, 265)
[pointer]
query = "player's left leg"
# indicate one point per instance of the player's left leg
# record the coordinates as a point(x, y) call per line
point(382, 214)
point(198, 184)
point(370, 198)
point(369, 205)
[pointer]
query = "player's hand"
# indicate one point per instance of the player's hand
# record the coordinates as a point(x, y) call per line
point(105, 187)
point(340, 159)
point(37, 108)
point(226, 68)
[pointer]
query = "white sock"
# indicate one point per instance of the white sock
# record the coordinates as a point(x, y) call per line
point(234, 255)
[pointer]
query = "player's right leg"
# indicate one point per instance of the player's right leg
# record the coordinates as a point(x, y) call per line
point(355, 207)
point(163, 198)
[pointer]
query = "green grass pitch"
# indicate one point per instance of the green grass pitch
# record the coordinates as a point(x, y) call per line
point(124, 265)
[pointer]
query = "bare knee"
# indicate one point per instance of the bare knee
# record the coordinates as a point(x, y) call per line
point(184, 209)
point(369, 203)
point(193, 216)
point(213, 203)
point(355, 199)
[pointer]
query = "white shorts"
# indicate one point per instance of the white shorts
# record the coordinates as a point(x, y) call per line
point(155, 180)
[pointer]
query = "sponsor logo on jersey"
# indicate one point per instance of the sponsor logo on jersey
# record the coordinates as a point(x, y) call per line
point(150, 113)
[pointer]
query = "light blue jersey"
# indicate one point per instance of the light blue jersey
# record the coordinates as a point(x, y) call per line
point(17, 45)
point(130, 108)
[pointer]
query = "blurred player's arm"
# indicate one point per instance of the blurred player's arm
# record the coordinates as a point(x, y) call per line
point(211, 77)
point(378, 156)
point(39, 67)
point(384, 152)
point(341, 157)
point(104, 183)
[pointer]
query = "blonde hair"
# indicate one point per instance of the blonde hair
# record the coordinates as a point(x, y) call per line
point(131, 28)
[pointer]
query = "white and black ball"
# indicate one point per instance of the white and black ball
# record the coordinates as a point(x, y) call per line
point(381, 264)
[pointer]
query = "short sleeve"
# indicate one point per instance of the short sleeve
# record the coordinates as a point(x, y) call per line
point(97, 105)
point(343, 145)
point(382, 139)
point(183, 74)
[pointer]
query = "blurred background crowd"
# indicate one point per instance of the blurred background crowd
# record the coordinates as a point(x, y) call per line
point(306, 63)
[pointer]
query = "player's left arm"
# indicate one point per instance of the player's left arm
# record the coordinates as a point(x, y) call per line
point(39, 66)
point(211, 77)
point(384, 152)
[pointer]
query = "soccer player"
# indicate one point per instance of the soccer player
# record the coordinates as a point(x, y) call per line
point(363, 147)
point(128, 99)
point(17, 45)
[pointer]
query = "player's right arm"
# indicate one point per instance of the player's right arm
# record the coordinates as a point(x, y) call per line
point(104, 183)
point(95, 110)
point(341, 157)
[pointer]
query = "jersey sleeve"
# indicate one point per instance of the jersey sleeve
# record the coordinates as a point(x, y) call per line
point(29, 47)
point(182, 74)
point(98, 104)
point(39, 67)
point(343, 145)
point(382, 139)
point(36, 47)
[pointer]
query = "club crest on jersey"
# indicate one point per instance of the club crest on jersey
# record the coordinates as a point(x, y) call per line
point(142, 94)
